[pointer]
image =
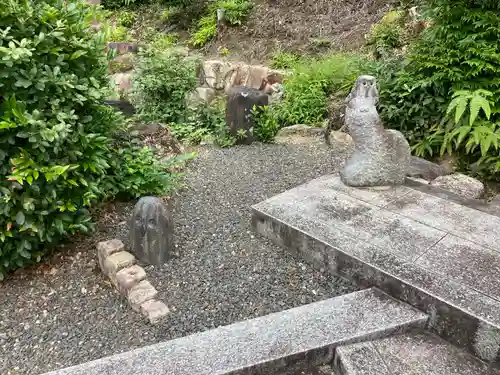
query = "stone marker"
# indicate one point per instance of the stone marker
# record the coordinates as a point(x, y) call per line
point(154, 310)
point(381, 157)
point(141, 293)
point(151, 231)
point(106, 248)
point(129, 277)
point(116, 262)
point(240, 102)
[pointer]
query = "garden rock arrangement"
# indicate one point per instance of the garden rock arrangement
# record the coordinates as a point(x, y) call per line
point(130, 280)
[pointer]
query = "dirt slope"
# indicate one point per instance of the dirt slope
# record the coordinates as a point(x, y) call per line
point(303, 26)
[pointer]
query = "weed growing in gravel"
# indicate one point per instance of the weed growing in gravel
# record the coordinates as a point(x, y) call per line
point(126, 19)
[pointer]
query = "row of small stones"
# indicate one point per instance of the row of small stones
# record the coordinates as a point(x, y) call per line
point(130, 281)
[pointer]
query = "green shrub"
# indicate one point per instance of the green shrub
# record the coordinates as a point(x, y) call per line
point(266, 123)
point(115, 4)
point(388, 34)
point(57, 149)
point(306, 91)
point(126, 19)
point(118, 34)
point(160, 84)
point(284, 60)
point(235, 12)
point(459, 51)
point(203, 121)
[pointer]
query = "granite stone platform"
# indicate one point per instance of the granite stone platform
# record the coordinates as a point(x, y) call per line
point(408, 354)
point(268, 344)
point(440, 255)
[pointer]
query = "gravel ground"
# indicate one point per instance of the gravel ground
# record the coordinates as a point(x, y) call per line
point(65, 312)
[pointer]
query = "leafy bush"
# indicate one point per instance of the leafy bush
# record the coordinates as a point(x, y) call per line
point(126, 19)
point(266, 123)
point(202, 122)
point(388, 34)
point(160, 84)
point(115, 4)
point(118, 34)
point(57, 150)
point(307, 90)
point(284, 60)
point(459, 51)
point(235, 12)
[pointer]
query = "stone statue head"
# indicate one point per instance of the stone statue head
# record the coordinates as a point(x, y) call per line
point(151, 231)
point(364, 87)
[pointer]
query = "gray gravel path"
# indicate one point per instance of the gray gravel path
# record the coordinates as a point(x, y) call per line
point(65, 312)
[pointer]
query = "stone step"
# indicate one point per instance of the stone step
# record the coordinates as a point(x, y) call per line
point(270, 343)
point(408, 354)
point(438, 254)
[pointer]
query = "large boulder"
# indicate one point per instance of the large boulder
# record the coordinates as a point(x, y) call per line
point(240, 102)
point(460, 184)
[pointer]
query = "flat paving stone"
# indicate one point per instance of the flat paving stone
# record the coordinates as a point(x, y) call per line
point(439, 213)
point(271, 342)
point(435, 254)
point(409, 354)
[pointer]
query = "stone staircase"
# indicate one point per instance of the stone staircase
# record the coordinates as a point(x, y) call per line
point(270, 344)
point(408, 354)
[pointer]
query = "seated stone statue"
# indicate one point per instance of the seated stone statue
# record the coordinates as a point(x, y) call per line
point(381, 157)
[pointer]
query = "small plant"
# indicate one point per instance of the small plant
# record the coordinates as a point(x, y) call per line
point(162, 42)
point(119, 34)
point(162, 80)
point(207, 30)
point(388, 34)
point(235, 12)
point(266, 123)
point(224, 51)
point(126, 19)
point(284, 60)
point(306, 91)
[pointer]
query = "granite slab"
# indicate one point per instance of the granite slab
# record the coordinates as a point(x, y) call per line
point(408, 354)
point(439, 256)
point(269, 343)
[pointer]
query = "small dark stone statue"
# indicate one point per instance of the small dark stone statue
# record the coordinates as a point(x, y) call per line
point(240, 101)
point(151, 231)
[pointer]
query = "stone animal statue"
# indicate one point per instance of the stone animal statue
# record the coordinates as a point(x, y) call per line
point(381, 156)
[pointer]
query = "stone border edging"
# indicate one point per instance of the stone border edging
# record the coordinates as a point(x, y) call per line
point(130, 281)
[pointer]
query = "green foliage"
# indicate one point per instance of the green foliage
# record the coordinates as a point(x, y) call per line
point(138, 171)
point(307, 90)
point(266, 123)
point(161, 81)
point(459, 51)
point(163, 42)
point(201, 122)
point(235, 12)
point(388, 34)
point(207, 30)
point(284, 60)
point(115, 4)
point(126, 19)
point(119, 34)
point(57, 148)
